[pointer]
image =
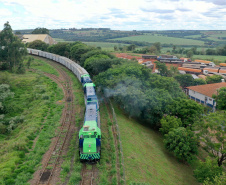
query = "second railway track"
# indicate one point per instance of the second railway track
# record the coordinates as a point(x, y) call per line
point(51, 168)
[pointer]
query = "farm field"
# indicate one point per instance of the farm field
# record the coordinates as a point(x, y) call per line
point(210, 57)
point(162, 40)
point(109, 46)
point(145, 158)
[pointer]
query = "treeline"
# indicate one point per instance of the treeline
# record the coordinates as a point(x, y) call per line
point(91, 36)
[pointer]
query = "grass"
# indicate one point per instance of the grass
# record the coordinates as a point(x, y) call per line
point(162, 40)
point(41, 65)
point(19, 155)
point(145, 158)
point(210, 57)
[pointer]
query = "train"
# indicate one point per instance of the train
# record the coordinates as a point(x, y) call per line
point(90, 133)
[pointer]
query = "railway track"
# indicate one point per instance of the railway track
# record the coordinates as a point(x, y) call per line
point(89, 174)
point(52, 167)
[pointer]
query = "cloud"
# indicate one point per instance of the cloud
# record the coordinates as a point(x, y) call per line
point(117, 14)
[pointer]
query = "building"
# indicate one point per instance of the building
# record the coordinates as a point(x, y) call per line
point(203, 93)
point(43, 37)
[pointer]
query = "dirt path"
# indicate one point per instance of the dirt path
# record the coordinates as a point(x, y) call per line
point(52, 159)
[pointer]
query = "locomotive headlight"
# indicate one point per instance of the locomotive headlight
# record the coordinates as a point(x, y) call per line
point(89, 150)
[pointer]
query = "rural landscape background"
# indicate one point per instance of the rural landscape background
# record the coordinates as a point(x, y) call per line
point(152, 130)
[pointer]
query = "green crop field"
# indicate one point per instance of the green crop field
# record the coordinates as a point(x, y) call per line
point(162, 40)
point(145, 158)
point(210, 57)
point(105, 45)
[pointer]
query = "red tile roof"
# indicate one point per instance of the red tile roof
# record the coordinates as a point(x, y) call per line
point(208, 89)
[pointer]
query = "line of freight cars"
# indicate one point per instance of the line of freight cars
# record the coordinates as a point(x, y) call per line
point(90, 133)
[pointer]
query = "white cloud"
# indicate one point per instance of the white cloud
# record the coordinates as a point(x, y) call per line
point(116, 14)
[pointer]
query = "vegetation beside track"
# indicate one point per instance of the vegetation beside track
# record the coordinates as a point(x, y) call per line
point(35, 99)
point(145, 157)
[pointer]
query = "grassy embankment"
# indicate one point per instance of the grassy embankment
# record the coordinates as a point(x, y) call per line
point(35, 99)
point(145, 158)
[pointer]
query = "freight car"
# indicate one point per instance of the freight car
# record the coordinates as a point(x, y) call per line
point(90, 133)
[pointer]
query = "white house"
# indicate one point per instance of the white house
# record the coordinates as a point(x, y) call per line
point(203, 93)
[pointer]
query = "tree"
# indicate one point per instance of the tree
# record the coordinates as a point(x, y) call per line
point(184, 80)
point(61, 48)
point(97, 65)
point(78, 49)
point(12, 50)
point(182, 143)
point(38, 44)
point(212, 133)
point(131, 47)
point(162, 68)
point(40, 31)
point(158, 46)
point(169, 123)
point(199, 81)
point(94, 53)
point(187, 110)
point(207, 170)
point(221, 98)
point(213, 79)
point(190, 54)
point(218, 180)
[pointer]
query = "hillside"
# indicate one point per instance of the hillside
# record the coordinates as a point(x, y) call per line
point(146, 159)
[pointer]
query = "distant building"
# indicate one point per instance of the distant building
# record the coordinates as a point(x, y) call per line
point(203, 93)
point(43, 37)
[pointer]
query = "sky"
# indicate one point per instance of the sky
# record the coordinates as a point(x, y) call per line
point(115, 14)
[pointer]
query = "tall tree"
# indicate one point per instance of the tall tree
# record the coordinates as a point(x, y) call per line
point(182, 143)
point(12, 50)
point(221, 98)
point(212, 133)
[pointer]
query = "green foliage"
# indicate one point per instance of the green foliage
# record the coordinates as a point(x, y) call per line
point(221, 98)
point(26, 117)
point(184, 80)
point(213, 79)
point(207, 170)
point(182, 143)
point(38, 44)
point(140, 93)
point(94, 53)
point(162, 68)
point(40, 31)
point(12, 50)
point(218, 180)
point(187, 110)
point(78, 49)
point(169, 123)
point(96, 66)
point(157, 45)
point(61, 48)
point(212, 133)
point(199, 81)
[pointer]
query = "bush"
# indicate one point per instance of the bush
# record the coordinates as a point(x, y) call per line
point(169, 123)
point(182, 143)
point(207, 170)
